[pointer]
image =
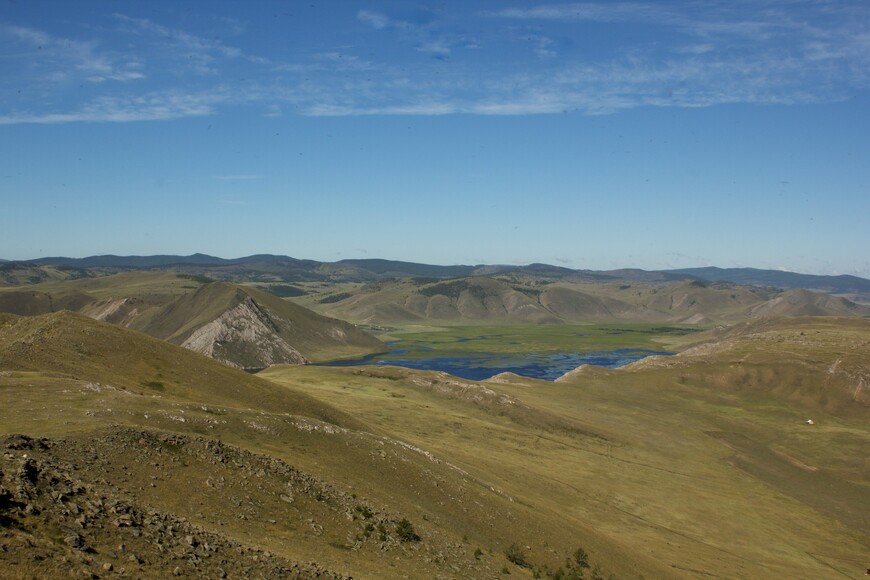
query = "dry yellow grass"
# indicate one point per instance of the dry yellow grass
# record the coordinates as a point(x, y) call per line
point(688, 467)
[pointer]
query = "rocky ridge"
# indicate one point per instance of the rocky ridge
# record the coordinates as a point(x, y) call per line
point(57, 520)
point(117, 503)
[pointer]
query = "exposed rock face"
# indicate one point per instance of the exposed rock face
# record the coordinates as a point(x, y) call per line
point(113, 310)
point(251, 329)
point(249, 334)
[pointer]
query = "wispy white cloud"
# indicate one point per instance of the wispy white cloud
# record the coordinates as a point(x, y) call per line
point(721, 56)
point(695, 19)
point(518, 63)
point(30, 36)
point(594, 11)
point(337, 110)
point(426, 37)
point(191, 52)
point(149, 107)
point(590, 88)
point(374, 19)
point(56, 59)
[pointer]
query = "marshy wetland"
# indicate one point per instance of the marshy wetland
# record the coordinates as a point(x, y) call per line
point(535, 351)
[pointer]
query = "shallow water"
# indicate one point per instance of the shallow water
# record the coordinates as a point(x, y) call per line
point(482, 365)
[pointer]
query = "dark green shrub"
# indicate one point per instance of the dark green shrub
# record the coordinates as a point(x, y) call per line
point(581, 558)
point(406, 532)
point(515, 555)
point(364, 511)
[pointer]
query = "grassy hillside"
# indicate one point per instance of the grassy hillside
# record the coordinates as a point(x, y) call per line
point(513, 300)
point(251, 328)
point(18, 274)
point(837, 284)
point(72, 346)
point(806, 303)
point(683, 467)
point(702, 462)
point(817, 363)
point(33, 302)
point(149, 288)
point(416, 300)
point(158, 446)
point(243, 326)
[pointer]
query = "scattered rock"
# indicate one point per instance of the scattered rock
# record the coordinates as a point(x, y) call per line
point(75, 541)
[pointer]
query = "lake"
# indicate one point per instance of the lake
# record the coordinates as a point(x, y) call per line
point(478, 366)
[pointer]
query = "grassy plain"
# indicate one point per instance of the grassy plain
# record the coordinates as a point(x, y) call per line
point(536, 337)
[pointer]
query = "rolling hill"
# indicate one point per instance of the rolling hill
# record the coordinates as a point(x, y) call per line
point(842, 284)
point(33, 302)
point(124, 454)
point(239, 325)
point(252, 329)
point(21, 273)
point(799, 302)
point(703, 461)
point(814, 362)
point(509, 301)
point(168, 463)
point(65, 344)
point(401, 301)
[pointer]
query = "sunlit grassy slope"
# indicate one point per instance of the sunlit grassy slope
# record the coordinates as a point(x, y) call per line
point(704, 468)
point(84, 384)
point(242, 325)
point(695, 466)
point(152, 288)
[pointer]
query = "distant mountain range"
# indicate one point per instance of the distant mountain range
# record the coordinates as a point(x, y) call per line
point(271, 268)
point(777, 278)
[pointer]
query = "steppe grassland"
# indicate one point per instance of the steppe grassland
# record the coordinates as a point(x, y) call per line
point(151, 287)
point(539, 337)
point(665, 467)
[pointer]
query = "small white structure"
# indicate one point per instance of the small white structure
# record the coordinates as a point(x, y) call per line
point(810, 422)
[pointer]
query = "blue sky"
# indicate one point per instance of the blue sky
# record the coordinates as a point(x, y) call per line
point(591, 135)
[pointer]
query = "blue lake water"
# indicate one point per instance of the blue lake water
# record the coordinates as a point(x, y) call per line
point(477, 366)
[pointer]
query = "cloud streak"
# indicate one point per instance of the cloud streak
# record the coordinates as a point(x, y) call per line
point(149, 107)
point(715, 55)
point(53, 59)
point(189, 51)
point(427, 65)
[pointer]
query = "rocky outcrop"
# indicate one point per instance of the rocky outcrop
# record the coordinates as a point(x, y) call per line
point(245, 337)
point(114, 310)
point(102, 530)
point(251, 329)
